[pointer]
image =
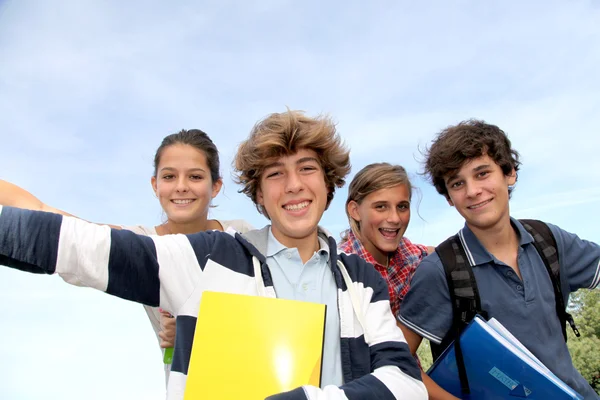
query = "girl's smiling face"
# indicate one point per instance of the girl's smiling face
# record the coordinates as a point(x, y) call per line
point(382, 217)
point(183, 184)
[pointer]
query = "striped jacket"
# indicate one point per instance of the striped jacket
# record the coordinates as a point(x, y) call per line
point(172, 272)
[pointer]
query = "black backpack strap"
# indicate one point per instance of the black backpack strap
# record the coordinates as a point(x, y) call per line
point(465, 301)
point(545, 244)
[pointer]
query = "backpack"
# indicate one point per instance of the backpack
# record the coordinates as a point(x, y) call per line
point(465, 295)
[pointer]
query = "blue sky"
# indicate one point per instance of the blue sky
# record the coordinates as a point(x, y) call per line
point(88, 90)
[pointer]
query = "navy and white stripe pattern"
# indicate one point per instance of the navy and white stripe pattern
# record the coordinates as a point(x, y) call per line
point(173, 271)
point(596, 281)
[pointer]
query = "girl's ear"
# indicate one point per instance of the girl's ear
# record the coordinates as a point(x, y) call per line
point(352, 208)
point(154, 187)
point(216, 188)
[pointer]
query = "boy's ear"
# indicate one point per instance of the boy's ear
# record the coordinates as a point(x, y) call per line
point(450, 203)
point(259, 197)
point(352, 208)
point(512, 177)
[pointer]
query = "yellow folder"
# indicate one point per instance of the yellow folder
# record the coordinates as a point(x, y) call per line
point(250, 347)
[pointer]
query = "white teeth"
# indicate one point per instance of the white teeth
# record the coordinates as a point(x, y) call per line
point(296, 207)
point(388, 232)
point(182, 201)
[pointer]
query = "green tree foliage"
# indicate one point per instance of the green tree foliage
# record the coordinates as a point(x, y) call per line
point(585, 350)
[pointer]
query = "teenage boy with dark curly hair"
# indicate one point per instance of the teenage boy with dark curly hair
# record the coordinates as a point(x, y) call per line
point(473, 165)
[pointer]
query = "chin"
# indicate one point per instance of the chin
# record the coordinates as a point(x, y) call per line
point(387, 249)
point(299, 232)
point(181, 218)
point(484, 224)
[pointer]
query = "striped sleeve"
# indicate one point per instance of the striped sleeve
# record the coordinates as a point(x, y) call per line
point(29, 240)
point(118, 262)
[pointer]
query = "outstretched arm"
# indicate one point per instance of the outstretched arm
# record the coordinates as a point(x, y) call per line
point(118, 262)
point(15, 196)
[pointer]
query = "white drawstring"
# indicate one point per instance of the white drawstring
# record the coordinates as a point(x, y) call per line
point(354, 299)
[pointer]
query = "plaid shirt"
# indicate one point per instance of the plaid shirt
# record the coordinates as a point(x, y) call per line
point(400, 270)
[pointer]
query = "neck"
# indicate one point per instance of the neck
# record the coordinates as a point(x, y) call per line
point(306, 246)
point(498, 238)
point(382, 257)
point(186, 228)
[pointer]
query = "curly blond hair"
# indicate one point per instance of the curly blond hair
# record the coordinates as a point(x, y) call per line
point(284, 134)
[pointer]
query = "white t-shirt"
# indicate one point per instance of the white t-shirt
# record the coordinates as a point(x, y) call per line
point(238, 225)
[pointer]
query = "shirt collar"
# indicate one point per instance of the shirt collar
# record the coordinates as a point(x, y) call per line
point(477, 254)
point(274, 246)
point(358, 248)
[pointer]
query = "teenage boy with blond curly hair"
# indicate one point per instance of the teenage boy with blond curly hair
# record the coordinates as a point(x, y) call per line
point(473, 165)
point(290, 167)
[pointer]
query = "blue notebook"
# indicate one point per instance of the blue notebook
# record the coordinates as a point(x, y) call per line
point(498, 367)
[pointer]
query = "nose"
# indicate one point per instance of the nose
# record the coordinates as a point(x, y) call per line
point(473, 189)
point(182, 184)
point(394, 216)
point(293, 183)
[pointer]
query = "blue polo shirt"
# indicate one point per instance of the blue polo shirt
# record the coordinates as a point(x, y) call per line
point(312, 282)
point(526, 307)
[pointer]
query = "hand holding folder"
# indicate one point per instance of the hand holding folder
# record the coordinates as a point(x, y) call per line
point(498, 367)
point(250, 347)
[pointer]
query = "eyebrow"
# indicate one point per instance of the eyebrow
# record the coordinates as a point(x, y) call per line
point(307, 159)
point(483, 166)
point(476, 169)
point(189, 170)
point(300, 161)
point(379, 202)
point(275, 164)
point(451, 178)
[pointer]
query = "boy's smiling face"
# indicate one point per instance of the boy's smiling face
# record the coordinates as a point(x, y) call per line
point(294, 195)
point(479, 192)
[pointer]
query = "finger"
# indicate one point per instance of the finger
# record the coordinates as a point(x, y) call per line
point(166, 340)
point(166, 345)
point(169, 323)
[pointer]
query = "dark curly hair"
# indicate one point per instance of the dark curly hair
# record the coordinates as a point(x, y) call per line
point(460, 143)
